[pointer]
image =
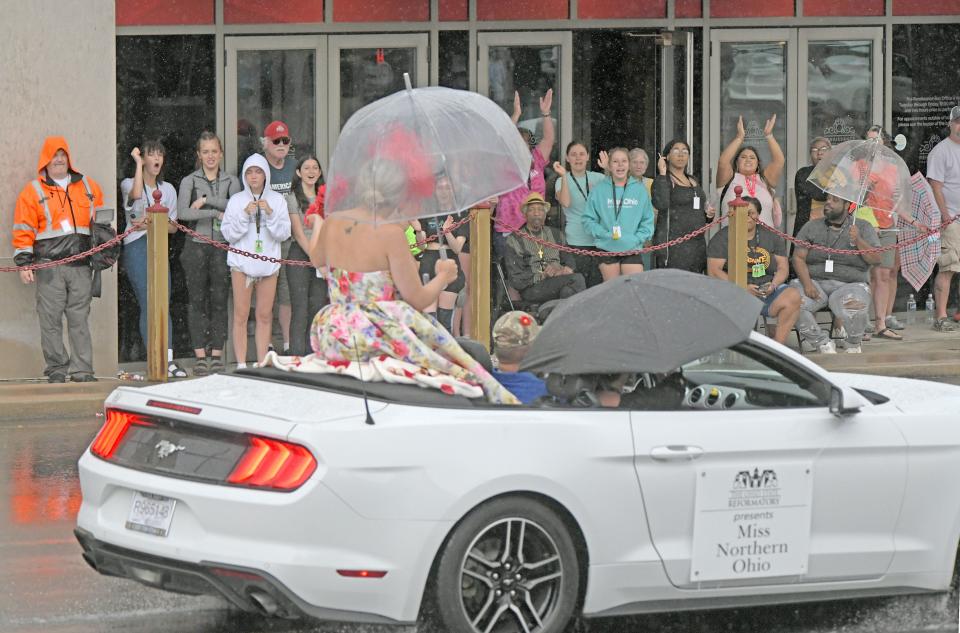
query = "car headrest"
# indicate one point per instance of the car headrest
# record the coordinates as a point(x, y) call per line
point(477, 351)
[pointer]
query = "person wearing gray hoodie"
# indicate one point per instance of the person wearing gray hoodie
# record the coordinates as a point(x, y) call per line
point(256, 221)
point(203, 198)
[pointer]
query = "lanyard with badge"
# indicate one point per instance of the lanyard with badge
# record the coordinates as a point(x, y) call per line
point(617, 232)
point(258, 245)
point(828, 263)
point(759, 269)
point(586, 179)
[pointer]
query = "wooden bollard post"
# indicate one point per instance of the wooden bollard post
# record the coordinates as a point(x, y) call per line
point(158, 304)
point(737, 240)
point(480, 277)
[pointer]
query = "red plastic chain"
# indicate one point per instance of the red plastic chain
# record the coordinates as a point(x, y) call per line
point(69, 260)
point(923, 235)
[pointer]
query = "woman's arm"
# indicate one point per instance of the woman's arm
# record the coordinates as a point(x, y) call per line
point(318, 255)
point(278, 221)
point(662, 188)
point(561, 189)
point(725, 162)
point(296, 230)
point(136, 191)
point(549, 135)
point(591, 218)
point(235, 222)
point(773, 171)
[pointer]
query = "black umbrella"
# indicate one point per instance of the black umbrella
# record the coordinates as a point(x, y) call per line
point(649, 322)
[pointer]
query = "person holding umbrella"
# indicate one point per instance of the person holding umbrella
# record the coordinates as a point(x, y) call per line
point(619, 216)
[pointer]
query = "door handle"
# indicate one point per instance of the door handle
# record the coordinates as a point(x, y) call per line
point(675, 453)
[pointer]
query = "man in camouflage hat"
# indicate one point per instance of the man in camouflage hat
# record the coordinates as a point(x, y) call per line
point(513, 334)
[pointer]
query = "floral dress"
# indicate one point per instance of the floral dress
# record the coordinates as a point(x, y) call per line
point(365, 319)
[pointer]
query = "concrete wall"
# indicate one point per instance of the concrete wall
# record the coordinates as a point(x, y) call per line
point(58, 77)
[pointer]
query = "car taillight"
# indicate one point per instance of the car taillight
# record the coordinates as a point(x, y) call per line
point(273, 464)
point(116, 426)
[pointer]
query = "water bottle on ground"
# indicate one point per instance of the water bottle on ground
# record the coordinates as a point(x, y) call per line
point(931, 309)
point(911, 310)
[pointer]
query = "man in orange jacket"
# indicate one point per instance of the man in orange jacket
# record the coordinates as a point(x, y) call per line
point(52, 222)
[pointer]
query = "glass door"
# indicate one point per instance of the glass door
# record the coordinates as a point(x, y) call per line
point(269, 79)
point(530, 64)
point(754, 75)
point(364, 68)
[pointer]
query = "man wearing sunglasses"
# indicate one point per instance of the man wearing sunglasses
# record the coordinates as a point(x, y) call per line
point(276, 145)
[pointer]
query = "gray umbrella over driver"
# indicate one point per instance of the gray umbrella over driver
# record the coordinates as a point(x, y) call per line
point(648, 322)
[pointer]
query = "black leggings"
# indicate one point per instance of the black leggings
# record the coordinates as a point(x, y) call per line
point(208, 283)
point(308, 293)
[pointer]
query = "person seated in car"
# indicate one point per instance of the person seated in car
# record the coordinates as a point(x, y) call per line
point(540, 273)
point(512, 335)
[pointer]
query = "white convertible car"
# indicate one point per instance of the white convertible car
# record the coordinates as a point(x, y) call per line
point(751, 476)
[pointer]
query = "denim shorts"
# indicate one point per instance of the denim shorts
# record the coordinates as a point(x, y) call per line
point(771, 298)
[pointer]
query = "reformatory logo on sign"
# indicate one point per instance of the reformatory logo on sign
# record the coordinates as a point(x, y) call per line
point(761, 488)
point(840, 131)
point(926, 148)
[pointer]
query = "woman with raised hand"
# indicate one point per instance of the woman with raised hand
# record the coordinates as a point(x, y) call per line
point(619, 217)
point(683, 208)
point(137, 193)
point(740, 164)
point(308, 289)
point(572, 188)
point(203, 198)
point(256, 221)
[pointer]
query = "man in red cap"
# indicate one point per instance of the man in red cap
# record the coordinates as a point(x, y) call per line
point(276, 146)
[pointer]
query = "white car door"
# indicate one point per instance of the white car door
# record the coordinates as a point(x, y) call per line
point(750, 479)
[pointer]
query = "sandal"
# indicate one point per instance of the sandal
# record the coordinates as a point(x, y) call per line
point(944, 325)
point(202, 367)
point(175, 371)
point(216, 364)
point(888, 334)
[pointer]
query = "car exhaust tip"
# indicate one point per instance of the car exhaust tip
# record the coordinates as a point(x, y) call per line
point(266, 603)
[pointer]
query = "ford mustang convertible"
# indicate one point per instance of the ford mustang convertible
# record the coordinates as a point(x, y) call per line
point(746, 476)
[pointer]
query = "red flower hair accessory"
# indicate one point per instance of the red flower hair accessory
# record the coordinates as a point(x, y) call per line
point(525, 321)
point(400, 145)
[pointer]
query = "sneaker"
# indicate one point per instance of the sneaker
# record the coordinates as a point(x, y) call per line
point(83, 378)
point(944, 325)
point(827, 348)
point(839, 333)
point(893, 323)
point(854, 349)
point(56, 378)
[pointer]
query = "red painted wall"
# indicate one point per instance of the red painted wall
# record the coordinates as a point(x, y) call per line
point(150, 12)
point(688, 9)
point(272, 11)
point(610, 9)
point(843, 7)
point(751, 8)
point(523, 9)
point(453, 10)
point(926, 7)
point(381, 11)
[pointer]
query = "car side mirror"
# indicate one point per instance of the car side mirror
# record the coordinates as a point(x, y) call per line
point(845, 401)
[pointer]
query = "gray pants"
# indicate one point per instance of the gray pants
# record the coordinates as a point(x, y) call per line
point(849, 302)
point(65, 290)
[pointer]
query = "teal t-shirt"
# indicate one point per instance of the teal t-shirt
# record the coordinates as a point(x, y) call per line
point(579, 188)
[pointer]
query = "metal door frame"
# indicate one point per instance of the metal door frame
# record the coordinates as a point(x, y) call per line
point(337, 43)
point(563, 39)
point(233, 44)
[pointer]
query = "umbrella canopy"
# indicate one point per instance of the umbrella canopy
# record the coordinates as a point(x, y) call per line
point(425, 152)
point(868, 173)
point(648, 322)
point(918, 259)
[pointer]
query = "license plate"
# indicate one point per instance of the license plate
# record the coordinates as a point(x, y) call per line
point(151, 514)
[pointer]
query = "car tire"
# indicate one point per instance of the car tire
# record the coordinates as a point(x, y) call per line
point(510, 559)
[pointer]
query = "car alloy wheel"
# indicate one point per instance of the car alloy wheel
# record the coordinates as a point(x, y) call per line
point(510, 567)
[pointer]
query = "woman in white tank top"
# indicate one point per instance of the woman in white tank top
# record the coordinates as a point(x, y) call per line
point(740, 165)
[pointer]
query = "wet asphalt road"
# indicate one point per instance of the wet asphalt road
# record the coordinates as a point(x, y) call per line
point(45, 586)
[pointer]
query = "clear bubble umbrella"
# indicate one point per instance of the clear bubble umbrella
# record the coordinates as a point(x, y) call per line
point(867, 173)
point(424, 152)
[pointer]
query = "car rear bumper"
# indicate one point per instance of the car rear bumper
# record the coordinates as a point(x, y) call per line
point(251, 590)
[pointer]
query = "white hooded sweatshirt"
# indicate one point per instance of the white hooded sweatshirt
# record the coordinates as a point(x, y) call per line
point(240, 228)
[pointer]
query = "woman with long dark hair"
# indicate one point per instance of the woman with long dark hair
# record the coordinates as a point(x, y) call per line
point(203, 198)
point(740, 164)
point(308, 290)
point(137, 194)
point(683, 208)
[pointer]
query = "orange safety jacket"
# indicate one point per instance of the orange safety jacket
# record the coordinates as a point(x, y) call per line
point(50, 223)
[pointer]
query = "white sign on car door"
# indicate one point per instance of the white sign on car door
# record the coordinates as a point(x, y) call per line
point(752, 521)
